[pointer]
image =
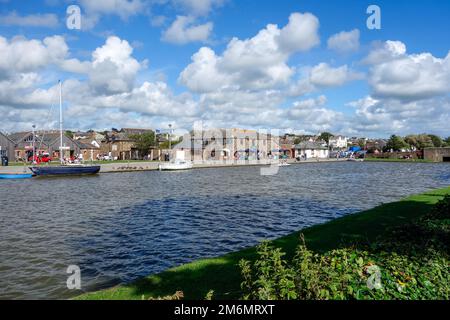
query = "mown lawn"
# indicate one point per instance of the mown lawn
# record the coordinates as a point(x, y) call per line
point(398, 160)
point(223, 275)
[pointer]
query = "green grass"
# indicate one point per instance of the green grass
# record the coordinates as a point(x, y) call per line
point(222, 274)
point(398, 160)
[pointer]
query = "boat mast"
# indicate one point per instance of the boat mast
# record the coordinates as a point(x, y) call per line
point(60, 124)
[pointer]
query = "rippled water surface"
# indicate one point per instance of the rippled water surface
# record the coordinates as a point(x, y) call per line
point(119, 227)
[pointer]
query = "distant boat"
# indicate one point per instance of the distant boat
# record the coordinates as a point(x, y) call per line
point(64, 169)
point(176, 165)
point(355, 160)
point(15, 175)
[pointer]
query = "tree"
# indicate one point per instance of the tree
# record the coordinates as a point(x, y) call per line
point(447, 142)
point(325, 136)
point(396, 143)
point(437, 141)
point(69, 134)
point(143, 142)
point(420, 141)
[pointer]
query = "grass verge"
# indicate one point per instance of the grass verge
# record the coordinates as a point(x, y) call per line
point(398, 160)
point(222, 274)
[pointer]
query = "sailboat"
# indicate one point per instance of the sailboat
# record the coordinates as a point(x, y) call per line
point(64, 169)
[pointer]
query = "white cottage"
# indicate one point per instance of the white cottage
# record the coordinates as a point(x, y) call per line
point(311, 150)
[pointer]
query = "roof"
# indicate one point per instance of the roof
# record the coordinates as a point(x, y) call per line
point(186, 143)
point(307, 145)
point(7, 137)
point(85, 144)
point(18, 136)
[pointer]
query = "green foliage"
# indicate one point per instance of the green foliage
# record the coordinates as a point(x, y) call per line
point(437, 141)
point(410, 262)
point(68, 134)
point(210, 295)
point(447, 142)
point(325, 136)
point(143, 142)
point(396, 143)
point(421, 141)
point(269, 278)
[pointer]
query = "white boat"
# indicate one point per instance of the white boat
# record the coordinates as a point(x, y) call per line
point(283, 164)
point(356, 160)
point(176, 165)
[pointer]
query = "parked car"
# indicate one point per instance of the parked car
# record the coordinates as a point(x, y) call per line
point(45, 158)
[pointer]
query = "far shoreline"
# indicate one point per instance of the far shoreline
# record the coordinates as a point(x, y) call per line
point(143, 166)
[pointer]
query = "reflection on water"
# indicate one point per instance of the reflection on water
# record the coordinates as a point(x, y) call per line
point(118, 227)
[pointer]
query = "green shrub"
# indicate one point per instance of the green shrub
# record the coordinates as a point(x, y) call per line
point(409, 262)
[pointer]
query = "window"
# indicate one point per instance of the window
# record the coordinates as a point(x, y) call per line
point(28, 138)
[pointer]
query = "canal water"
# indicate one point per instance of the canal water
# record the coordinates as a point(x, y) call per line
point(119, 227)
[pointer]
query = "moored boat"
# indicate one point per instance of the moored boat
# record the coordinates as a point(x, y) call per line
point(65, 170)
point(15, 175)
point(176, 165)
point(355, 160)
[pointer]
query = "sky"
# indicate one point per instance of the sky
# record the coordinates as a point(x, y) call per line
point(298, 66)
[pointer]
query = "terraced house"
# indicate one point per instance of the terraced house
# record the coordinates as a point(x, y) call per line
point(228, 144)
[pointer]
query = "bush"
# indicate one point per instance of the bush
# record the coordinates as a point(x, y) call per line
point(409, 262)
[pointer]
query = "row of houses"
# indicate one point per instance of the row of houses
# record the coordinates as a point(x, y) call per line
point(210, 144)
point(242, 144)
point(87, 146)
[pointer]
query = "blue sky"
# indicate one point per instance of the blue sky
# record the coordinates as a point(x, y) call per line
point(393, 80)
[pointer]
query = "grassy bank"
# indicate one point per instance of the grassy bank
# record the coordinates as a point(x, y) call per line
point(398, 160)
point(223, 275)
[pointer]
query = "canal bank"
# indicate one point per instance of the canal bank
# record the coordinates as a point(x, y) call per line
point(116, 167)
point(222, 274)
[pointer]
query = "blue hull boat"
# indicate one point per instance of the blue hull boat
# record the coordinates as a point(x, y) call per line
point(65, 170)
point(15, 175)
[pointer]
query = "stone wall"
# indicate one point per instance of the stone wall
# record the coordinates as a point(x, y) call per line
point(437, 154)
point(397, 155)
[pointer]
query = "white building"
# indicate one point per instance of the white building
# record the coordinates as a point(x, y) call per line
point(311, 150)
point(338, 142)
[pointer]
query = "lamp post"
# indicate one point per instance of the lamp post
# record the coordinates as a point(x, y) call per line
point(170, 136)
point(34, 144)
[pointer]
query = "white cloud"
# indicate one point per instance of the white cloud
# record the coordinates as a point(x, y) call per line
point(395, 74)
point(345, 41)
point(107, 96)
point(313, 116)
point(23, 55)
point(122, 8)
point(198, 7)
point(33, 20)
point(92, 11)
point(391, 116)
point(202, 75)
point(184, 30)
point(300, 34)
point(323, 75)
point(158, 21)
point(256, 63)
